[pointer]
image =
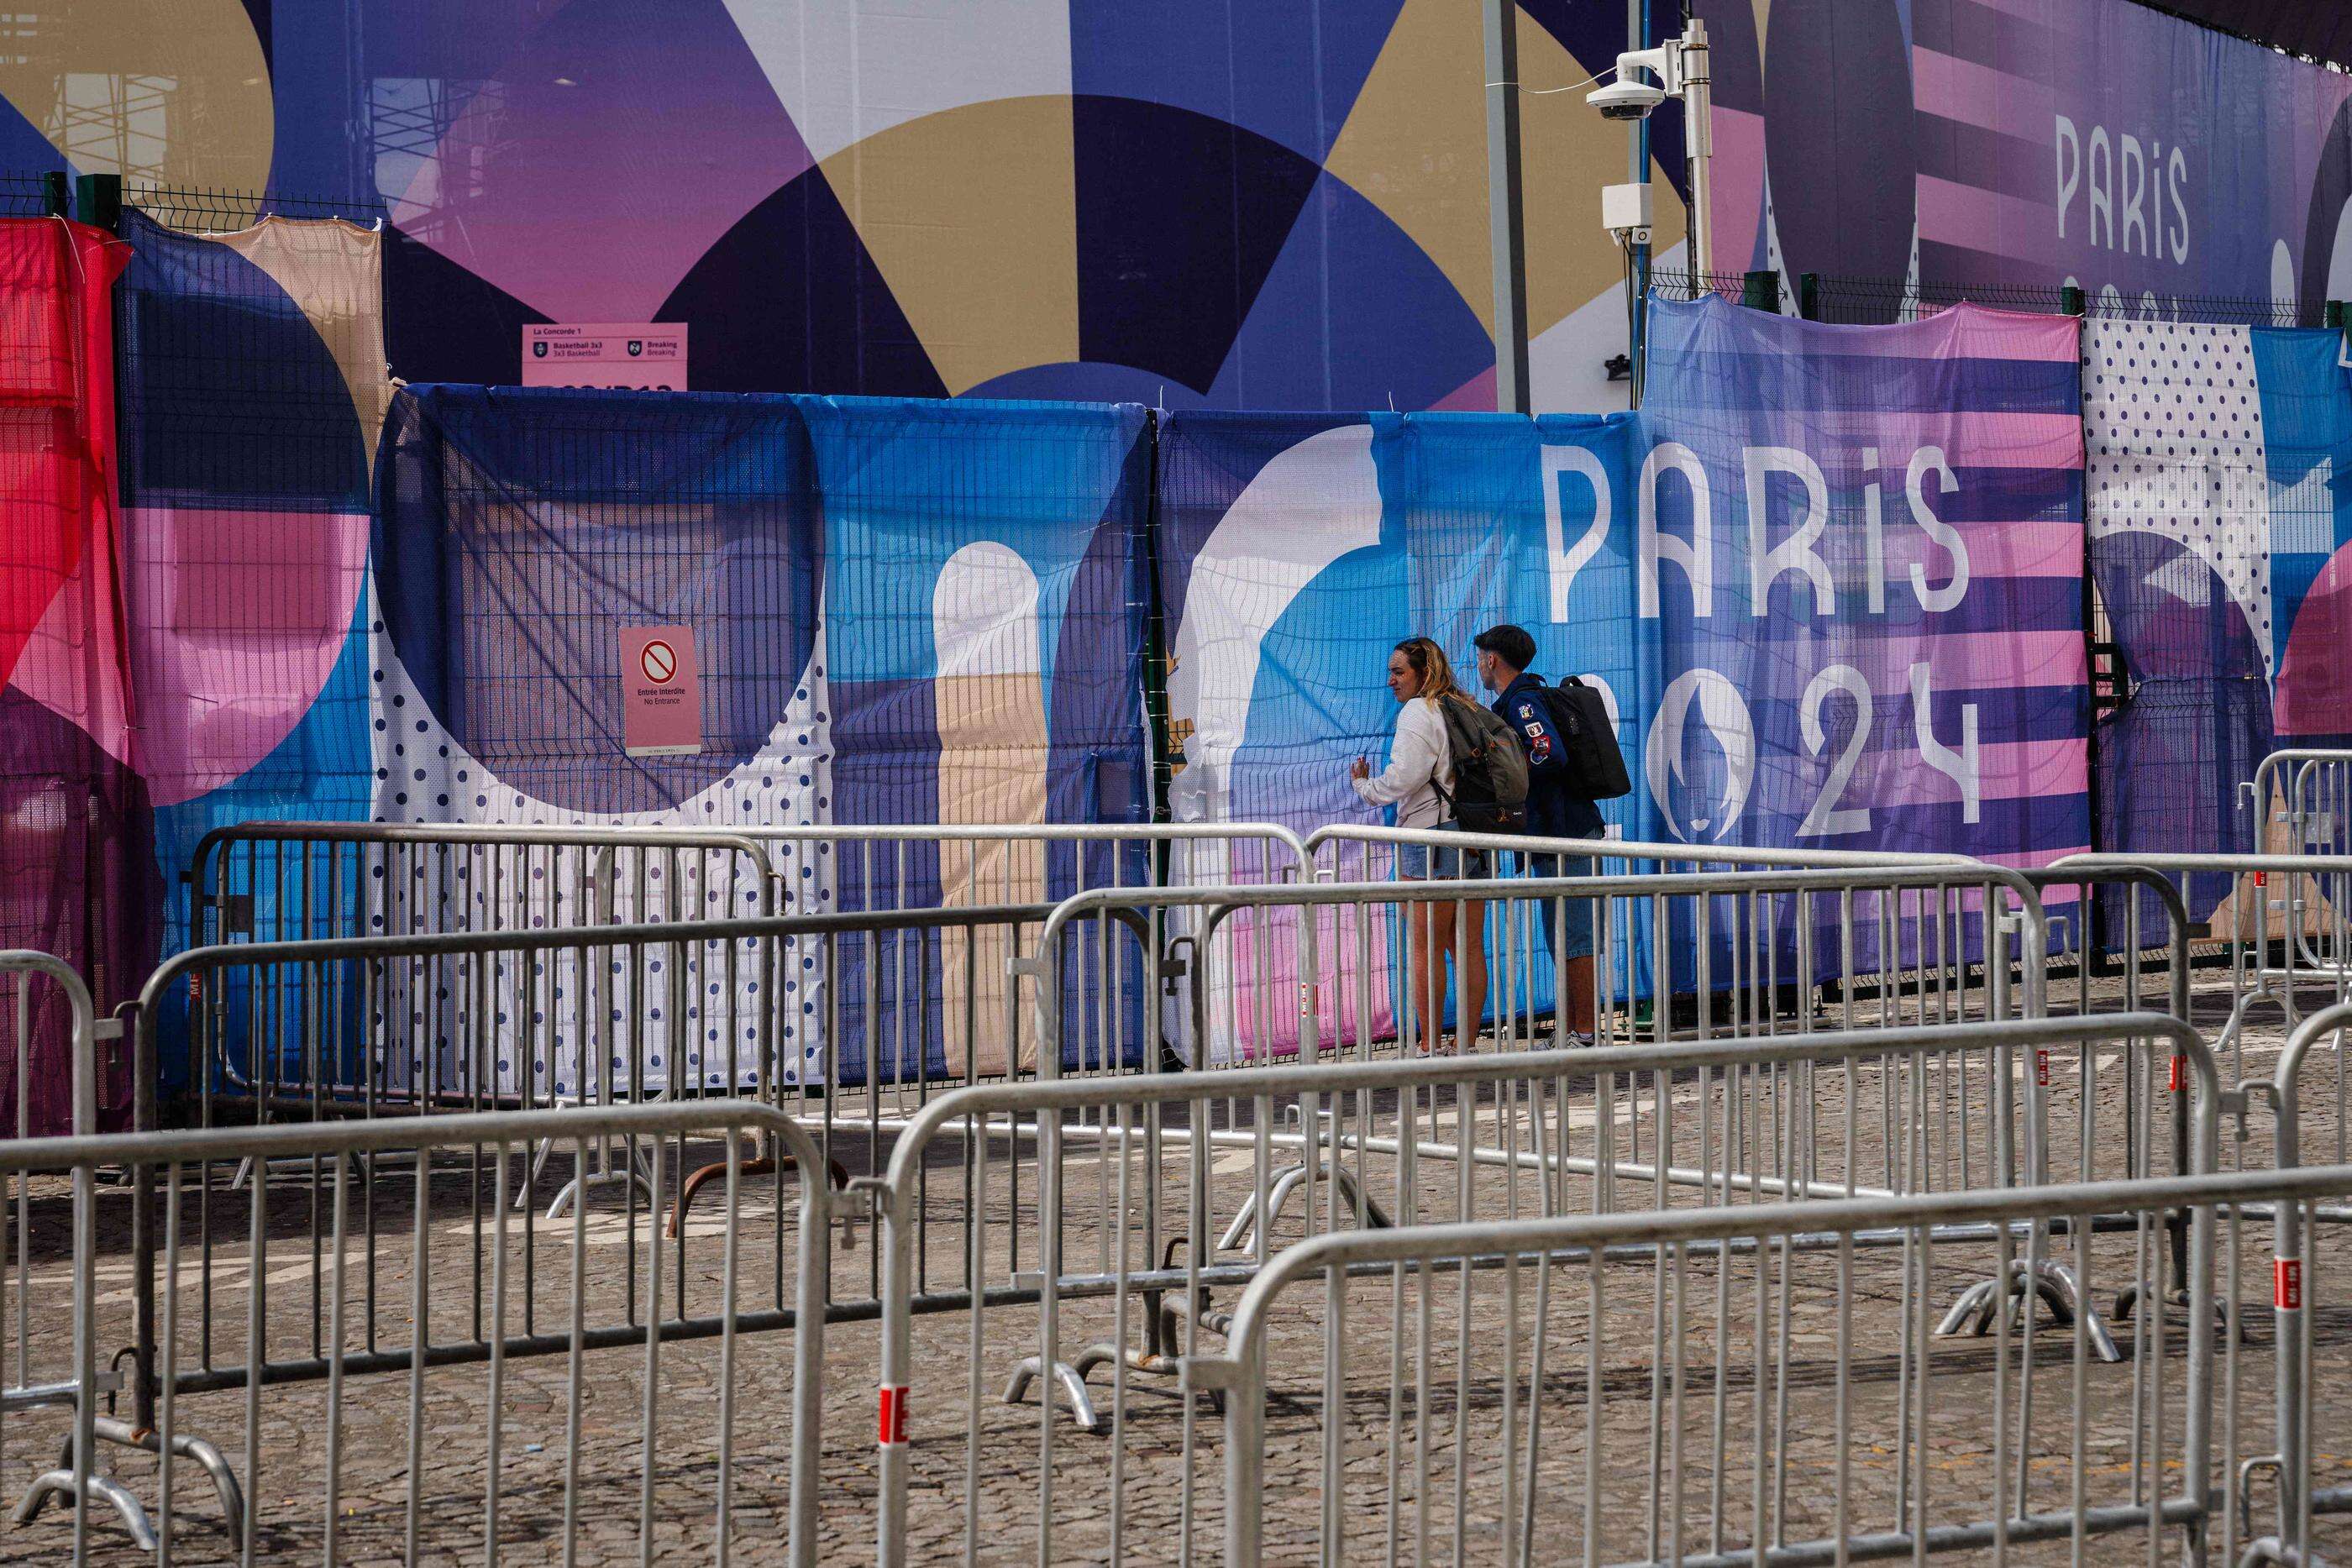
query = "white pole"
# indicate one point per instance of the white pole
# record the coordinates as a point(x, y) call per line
point(1698, 138)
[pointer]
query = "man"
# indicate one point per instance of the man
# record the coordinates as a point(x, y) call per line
point(1553, 812)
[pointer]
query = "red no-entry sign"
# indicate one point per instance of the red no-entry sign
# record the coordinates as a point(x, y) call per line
point(661, 692)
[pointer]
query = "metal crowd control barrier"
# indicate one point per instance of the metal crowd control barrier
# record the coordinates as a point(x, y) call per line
point(1717, 1469)
point(1758, 942)
point(277, 881)
point(951, 864)
point(1129, 1195)
point(1765, 941)
point(1528, 930)
point(506, 999)
point(382, 1302)
point(2308, 793)
point(310, 881)
point(2288, 923)
point(2294, 1287)
point(29, 1301)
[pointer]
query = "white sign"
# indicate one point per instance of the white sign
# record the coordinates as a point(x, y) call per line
point(648, 356)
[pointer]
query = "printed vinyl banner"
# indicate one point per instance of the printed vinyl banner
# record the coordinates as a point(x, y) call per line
point(902, 613)
point(1272, 205)
point(253, 391)
point(1861, 559)
point(1829, 578)
point(2220, 530)
point(76, 879)
point(2150, 161)
point(1295, 551)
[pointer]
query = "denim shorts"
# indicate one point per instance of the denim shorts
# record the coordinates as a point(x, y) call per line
point(1573, 917)
point(1421, 863)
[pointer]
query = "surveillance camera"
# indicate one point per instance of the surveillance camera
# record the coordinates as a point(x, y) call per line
point(1625, 99)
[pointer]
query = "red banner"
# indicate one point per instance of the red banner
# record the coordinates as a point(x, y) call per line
point(75, 870)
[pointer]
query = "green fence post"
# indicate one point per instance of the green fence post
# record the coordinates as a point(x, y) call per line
point(2333, 315)
point(1761, 291)
point(98, 200)
point(2070, 299)
point(56, 193)
point(1809, 296)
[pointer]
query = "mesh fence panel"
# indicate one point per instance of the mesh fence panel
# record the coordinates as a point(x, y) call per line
point(2215, 453)
point(75, 879)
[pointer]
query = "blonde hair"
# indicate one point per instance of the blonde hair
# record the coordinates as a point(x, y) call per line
point(1436, 672)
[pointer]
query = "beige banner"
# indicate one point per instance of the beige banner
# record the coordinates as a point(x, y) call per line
point(991, 701)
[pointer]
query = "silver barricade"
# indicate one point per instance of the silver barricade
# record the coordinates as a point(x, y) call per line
point(2297, 1292)
point(43, 1369)
point(1759, 945)
point(1707, 1388)
point(563, 1015)
point(951, 866)
point(439, 1342)
point(276, 882)
point(310, 881)
point(881, 1050)
point(1522, 938)
point(1758, 942)
point(1344, 847)
point(1128, 1196)
point(2301, 803)
point(2282, 925)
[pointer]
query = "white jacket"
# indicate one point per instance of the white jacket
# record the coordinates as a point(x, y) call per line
point(1421, 762)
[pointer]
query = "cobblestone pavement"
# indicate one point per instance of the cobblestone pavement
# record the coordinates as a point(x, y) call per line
point(1444, 1377)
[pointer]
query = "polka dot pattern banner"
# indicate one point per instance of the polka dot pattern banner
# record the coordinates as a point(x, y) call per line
point(2219, 539)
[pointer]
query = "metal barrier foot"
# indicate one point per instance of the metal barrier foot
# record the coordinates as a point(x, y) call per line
point(1074, 1389)
point(1156, 1362)
point(575, 1190)
point(2050, 1282)
point(1242, 1230)
point(202, 1455)
point(206, 1458)
point(59, 1484)
point(764, 1166)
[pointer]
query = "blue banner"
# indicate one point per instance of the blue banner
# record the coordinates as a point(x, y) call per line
point(1296, 551)
point(901, 613)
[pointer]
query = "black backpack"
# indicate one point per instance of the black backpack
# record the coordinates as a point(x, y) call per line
point(1596, 768)
point(1490, 770)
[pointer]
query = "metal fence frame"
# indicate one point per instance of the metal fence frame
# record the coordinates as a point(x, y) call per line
point(1240, 1375)
point(1137, 1100)
point(382, 852)
point(73, 1478)
point(1215, 903)
point(2302, 776)
point(160, 1384)
point(2289, 1544)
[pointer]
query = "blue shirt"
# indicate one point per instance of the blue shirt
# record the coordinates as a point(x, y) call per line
point(1553, 812)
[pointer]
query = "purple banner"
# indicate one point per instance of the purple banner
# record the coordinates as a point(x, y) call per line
point(2027, 143)
point(1861, 555)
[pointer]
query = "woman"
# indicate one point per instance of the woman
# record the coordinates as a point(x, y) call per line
point(1421, 767)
